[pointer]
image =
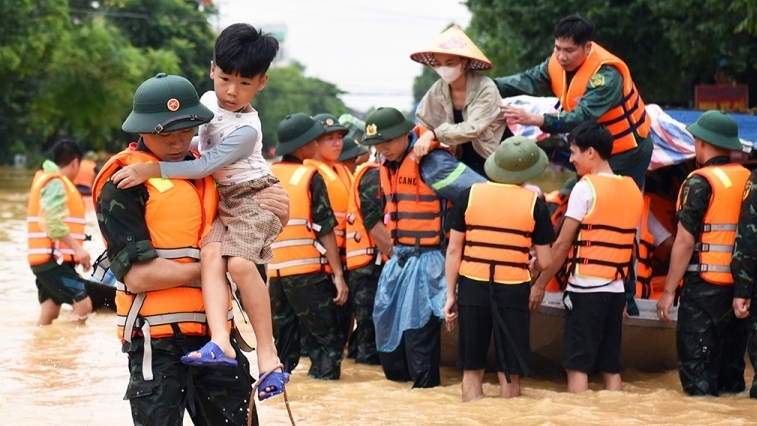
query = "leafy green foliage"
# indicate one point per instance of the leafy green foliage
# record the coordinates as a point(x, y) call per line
point(289, 91)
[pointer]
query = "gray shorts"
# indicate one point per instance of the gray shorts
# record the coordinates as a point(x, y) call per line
point(243, 228)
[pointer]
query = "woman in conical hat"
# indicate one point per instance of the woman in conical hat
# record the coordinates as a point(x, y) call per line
point(463, 106)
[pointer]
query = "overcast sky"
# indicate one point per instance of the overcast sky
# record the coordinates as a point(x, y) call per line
point(363, 47)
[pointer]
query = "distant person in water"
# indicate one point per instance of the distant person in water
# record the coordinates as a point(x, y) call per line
point(55, 223)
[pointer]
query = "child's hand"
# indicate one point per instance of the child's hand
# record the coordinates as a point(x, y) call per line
point(134, 174)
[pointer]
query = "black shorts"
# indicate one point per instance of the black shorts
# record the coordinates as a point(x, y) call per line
point(593, 332)
point(61, 283)
point(477, 324)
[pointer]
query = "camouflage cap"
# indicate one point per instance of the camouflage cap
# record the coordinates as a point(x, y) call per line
point(385, 124)
point(166, 103)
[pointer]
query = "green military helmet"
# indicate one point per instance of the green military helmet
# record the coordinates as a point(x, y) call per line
point(331, 123)
point(385, 124)
point(717, 128)
point(166, 103)
point(516, 160)
point(350, 149)
point(295, 131)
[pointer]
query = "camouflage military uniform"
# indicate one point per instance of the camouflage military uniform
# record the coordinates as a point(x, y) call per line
point(210, 396)
point(744, 267)
point(302, 304)
point(709, 342)
point(364, 281)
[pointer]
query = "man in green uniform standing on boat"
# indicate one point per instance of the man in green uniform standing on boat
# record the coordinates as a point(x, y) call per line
point(592, 85)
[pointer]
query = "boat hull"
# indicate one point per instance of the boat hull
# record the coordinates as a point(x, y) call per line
point(648, 344)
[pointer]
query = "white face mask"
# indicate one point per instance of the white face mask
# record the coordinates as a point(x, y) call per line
point(449, 74)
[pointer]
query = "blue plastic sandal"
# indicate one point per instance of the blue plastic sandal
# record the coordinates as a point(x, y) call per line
point(210, 356)
point(276, 381)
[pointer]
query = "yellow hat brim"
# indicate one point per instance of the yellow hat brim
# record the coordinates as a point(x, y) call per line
point(453, 42)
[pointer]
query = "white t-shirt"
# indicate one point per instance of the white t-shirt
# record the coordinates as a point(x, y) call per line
point(579, 203)
point(658, 231)
point(223, 124)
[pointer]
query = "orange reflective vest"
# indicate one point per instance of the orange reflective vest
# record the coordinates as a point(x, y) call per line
point(715, 243)
point(176, 235)
point(623, 120)
point(361, 250)
point(297, 250)
point(644, 253)
point(338, 184)
point(497, 250)
point(86, 175)
point(557, 203)
point(41, 248)
point(604, 246)
point(413, 211)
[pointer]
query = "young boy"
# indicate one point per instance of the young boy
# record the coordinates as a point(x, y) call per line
point(243, 232)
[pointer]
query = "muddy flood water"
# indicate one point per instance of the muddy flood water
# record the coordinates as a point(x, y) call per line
point(67, 375)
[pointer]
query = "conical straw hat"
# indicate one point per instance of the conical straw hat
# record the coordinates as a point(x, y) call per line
point(453, 42)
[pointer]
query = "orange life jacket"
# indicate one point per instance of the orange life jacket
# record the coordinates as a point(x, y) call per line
point(361, 250)
point(715, 242)
point(41, 248)
point(297, 250)
point(338, 184)
point(604, 246)
point(413, 211)
point(557, 204)
point(622, 120)
point(644, 253)
point(86, 175)
point(497, 250)
point(175, 235)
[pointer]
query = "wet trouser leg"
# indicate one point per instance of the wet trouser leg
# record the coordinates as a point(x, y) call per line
point(363, 291)
point(211, 396)
point(417, 357)
point(731, 378)
point(752, 346)
point(702, 323)
point(286, 326)
point(318, 316)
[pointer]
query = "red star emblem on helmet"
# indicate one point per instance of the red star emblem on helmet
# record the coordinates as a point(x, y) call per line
point(173, 104)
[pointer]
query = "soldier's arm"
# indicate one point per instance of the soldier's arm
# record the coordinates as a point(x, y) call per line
point(372, 211)
point(534, 82)
point(680, 255)
point(134, 260)
point(323, 216)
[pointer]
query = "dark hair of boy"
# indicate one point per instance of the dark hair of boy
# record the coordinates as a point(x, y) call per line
point(242, 49)
point(576, 28)
point(66, 151)
point(592, 135)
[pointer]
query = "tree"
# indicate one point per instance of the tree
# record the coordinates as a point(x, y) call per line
point(92, 76)
point(28, 32)
point(178, 26)
point(289, 91)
